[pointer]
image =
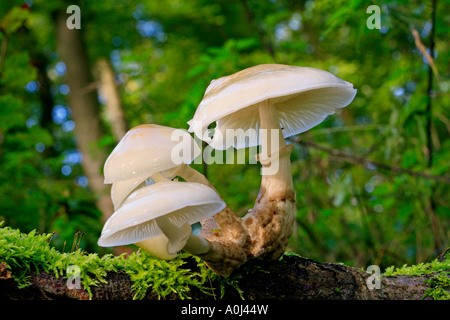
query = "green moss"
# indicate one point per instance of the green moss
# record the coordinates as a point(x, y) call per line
point(439, 282)
point(24, 253)
point(288, 253)
point(421, 268)
point(163, 277)
point(439, 287)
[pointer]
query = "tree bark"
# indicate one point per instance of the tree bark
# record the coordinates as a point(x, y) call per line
point(83, 102)
point(113, 105)
point(292, 278)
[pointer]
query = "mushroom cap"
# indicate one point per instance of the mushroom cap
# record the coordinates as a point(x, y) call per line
point(303, 98)
point(181, 202)
point(147, 149)
point(120, 190)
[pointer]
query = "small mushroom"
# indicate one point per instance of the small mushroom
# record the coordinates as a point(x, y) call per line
point(249, 108)
point(146, 151)
point(158, 218)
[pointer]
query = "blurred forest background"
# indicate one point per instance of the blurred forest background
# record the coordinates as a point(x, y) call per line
point(372, 181)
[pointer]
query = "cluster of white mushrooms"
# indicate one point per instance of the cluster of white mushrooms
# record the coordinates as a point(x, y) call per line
point(158, 212)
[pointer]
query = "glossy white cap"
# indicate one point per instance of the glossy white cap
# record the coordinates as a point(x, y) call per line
point(180, 202)
point(147, 149)
point(303, 98)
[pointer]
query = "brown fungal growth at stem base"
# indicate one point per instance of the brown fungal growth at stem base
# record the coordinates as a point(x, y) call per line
point(270, 222)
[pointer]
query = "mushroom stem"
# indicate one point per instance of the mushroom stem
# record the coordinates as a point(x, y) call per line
point(226, 221)
point(275, 157)
point(158, 177)
point(181, 238)
point(226, 243)
point(157, 246)
point(197, 245)
point(270, 222)
point(177, 235)
point(192, 175)
point(269, 121)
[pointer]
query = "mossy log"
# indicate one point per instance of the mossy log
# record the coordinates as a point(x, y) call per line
point(291, 278)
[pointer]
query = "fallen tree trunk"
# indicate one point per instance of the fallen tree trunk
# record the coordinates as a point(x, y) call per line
point(292, 278)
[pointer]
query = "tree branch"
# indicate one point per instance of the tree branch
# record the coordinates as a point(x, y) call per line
point(419, 44)
point(366, 162)
point(292, 278)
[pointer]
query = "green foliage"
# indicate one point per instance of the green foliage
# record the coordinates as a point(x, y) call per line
point(35, 193)
point(13, 20)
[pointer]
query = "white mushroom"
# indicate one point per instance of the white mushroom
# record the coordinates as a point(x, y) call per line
point(263, 105)
point(302, 97)
point(165, 210)
point(147, 150)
